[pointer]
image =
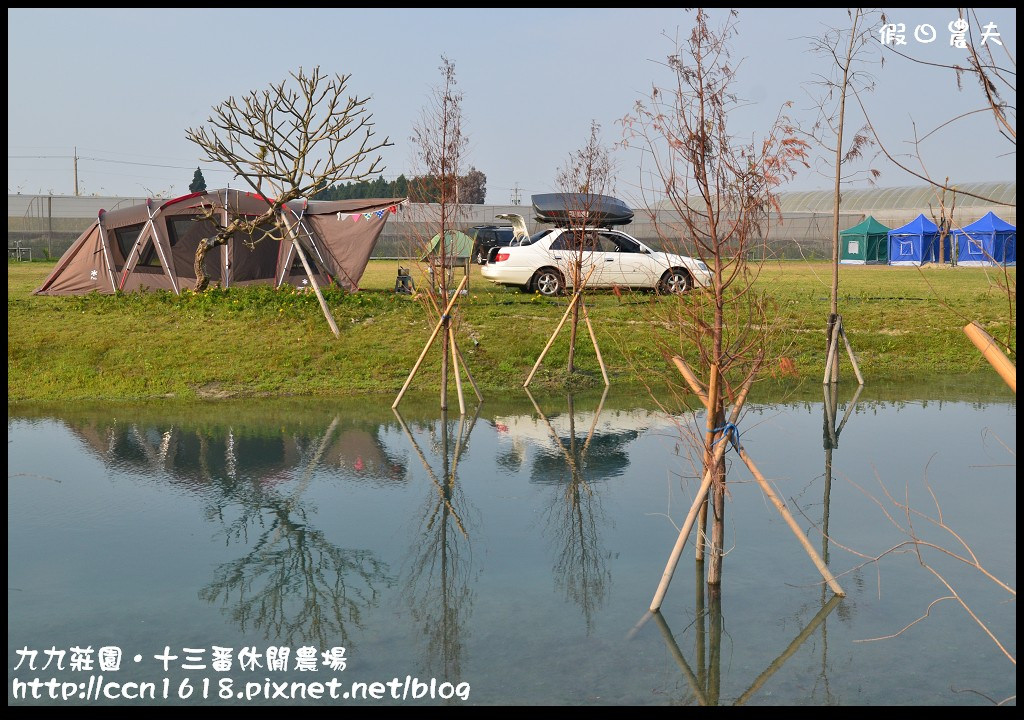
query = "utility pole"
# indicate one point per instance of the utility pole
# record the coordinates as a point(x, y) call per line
point(515, 195)
point(76, 171)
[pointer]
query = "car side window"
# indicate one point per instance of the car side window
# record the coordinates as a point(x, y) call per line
point(623, 244)
point(606, 243)
point(561, 242)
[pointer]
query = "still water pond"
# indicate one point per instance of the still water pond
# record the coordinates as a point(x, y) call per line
point(287, 550)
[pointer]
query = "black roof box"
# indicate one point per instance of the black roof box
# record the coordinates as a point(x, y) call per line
point(563, 209)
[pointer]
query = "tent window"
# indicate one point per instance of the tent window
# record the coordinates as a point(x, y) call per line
point(184, 233)
point(126, 239)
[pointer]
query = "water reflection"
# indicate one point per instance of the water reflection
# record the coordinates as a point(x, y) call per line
point(575, 515)
point(293, 584)
point(437, 584)
point(706, 683)
point(535, 532)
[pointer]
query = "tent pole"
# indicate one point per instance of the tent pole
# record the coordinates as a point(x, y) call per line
point(104, 243)
point(312, 280)
point(156, 242)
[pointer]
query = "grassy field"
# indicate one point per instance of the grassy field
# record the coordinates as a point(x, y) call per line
point(904, 323)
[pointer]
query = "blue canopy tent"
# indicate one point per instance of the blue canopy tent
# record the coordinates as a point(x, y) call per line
point(988, 241)
point(916, 243)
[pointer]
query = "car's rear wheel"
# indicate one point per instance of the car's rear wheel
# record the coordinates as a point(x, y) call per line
point(674, 282)
point(549, 282)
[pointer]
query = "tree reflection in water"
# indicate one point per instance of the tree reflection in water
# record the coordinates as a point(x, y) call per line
point(437, 581)
point(575, 515)
point(293, 584)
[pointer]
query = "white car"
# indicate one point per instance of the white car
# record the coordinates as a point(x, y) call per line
point(543, 262)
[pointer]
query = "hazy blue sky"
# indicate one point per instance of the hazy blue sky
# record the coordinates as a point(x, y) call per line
point(122, 86)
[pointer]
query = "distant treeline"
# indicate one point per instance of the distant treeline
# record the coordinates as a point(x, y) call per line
point(472, 189)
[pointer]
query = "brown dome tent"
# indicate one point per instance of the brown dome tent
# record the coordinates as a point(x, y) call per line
point(153, 246)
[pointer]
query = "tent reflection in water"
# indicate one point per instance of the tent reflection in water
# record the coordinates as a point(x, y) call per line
point(153, 246)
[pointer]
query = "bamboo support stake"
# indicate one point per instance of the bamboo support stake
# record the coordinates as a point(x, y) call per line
point(455, 367)
point(833, 351)
point(684, 532)
point(597, 350)
point(565, 316)
point(462, 360)
point(987, 345)
point(465, 367)
point(312, 280)
point(430, 342)
point(849, 351)
point(788, 517)
point(711, 422)
point(698, 388)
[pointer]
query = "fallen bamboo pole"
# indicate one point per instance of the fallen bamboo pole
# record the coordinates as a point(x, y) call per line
point(565, 316)
point(430, 342)
point(987, 345)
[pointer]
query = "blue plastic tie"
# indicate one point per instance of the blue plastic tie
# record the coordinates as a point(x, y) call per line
point(726, 430)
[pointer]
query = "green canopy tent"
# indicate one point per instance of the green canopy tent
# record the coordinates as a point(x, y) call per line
point(865, 243)
point(457, 246)
point(458, 249)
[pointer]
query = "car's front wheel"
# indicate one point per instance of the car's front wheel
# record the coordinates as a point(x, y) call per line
point(549, 282)
point(674, 282)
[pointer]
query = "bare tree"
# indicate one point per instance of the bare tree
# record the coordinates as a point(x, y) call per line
point(286, 143)
point(847, 51)
point(440, 145)
point(586, 175)
point(720, 191)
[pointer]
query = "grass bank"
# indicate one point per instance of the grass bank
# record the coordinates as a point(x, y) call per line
point(904, 323)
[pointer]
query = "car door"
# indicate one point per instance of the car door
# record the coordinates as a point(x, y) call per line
point(626, 263)
point(584, 245)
